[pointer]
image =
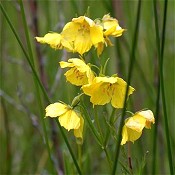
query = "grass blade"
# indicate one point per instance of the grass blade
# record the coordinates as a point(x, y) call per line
point(163, 89)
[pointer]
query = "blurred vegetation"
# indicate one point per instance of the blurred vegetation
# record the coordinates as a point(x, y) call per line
point(22, 142)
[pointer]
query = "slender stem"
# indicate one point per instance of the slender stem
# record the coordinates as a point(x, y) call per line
point(111, 121)
point(79, 154)
point(34, 17)
point(36, 85)
point(4, 111)
point(158, 92)
point(69, 147)
point(131, 65)
point(96, 117)
point(91, 126)
point(163, 90)
point(129, 157)
point(108, 157)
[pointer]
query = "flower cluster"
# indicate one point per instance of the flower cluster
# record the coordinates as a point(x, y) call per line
point(82, 33)
point(79, 36)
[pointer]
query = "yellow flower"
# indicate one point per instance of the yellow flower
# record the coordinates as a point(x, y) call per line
point(79, 73)
point(132, 130)
point(102, 90)
point(110, 28)
point(55, 40)
point(82, 33)
point(68, 117)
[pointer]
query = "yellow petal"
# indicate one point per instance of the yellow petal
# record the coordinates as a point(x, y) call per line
point(129, 135)
point(82, 42)
point(96, 34)
point(111, 26)
point(84, 20)
point(119, 93)
point(124, 135)
point(64, 64)
point(70, 120)
point(100, 90)
point(68, 45)
point(101, 94)
point(110, 30)
point(79, 74)
point(70, 31)
point(135, 124)
point(79, 64)
point(147, 115)
point(76, 77)
point(100, 48)
point(79, 132)
point(90, 75)
point(110, 80)
point(98, 93)
point(133, 135)
point(83, 68)
point(89, 21)
point(56, 109)
point(118, 32)
point(53, 39)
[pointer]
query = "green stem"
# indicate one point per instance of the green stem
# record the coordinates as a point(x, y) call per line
point(97, 121)
point(129, 157)
point(108, 157)
point(163, 90)
point(111, 122)
point(69, 147)
point(91, 126)
point(80, 155)
point(102, 138)
point(158, 92)
point(8, 158)
point(131, 65)
point(36, 85)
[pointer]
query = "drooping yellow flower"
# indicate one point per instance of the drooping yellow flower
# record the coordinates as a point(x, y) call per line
point(68, 117)
point(102, 90)
point(79, 73)
point(132, 130)
point(82, 33)
point(110, 28)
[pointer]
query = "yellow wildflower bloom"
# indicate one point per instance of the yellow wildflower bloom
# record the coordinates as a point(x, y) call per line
point(79, 73)
point(68, 118)
point(102, 90)
point(110, 28)
point(82, 33)
point(132, 130)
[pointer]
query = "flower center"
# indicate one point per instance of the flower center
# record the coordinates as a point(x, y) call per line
point(108, 89)
point(84, 29)
point(78, 74)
